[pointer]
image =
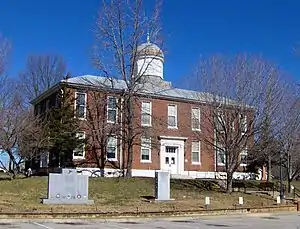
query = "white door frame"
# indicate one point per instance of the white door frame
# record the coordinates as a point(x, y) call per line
point(176, 142)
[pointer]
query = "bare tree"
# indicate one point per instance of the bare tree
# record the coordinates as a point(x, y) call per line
point(106, 125)
point(99, 131)
point(15, 121)
point(120, 28)
point(4, 51)
point(34, 140)
point(239, 95)
point(41, 73)
point(289, 138)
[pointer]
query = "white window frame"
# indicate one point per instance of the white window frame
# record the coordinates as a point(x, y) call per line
point(176, 116)
point(194, 151)
point(85, 101)
point(243, 124)
point(245, 153)
point(83, 137)
point(107, 109)
point(144, 112)
point(220, 123)
point(199, 118)
point(116, 149)
point(218, 149)
point(146, 144)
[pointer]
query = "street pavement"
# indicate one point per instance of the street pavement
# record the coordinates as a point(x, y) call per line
point(264, 221)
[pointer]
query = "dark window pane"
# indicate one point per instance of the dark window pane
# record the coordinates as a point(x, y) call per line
point(80, 111)
point(171, 121)
point(81, 99)
point(111, 152)
point(111, 115)
point(195, 157)
point(145, 154)
point(112, 103)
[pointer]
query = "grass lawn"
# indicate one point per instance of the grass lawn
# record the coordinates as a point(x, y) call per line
point(123, 194)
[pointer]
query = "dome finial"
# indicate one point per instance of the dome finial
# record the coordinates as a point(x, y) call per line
point(148, 37)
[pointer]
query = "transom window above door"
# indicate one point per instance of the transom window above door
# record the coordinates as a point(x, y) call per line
point(171, 149)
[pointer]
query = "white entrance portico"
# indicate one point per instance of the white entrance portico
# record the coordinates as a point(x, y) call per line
point(172, 154)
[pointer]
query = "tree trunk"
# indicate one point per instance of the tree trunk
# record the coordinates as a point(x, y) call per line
point(129, 163)
point(101, 160)
point(129, 137)
point(289, 173)
point(269, 168)
point(229, 182)
point(14, 174)
point(289, 180)
point(123, 159)
point(10, 165)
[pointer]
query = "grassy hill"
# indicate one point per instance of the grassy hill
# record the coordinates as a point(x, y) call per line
point(123, 194)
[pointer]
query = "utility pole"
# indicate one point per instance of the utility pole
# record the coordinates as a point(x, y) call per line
point(281, 180)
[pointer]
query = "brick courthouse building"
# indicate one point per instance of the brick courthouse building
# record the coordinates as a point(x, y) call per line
point(172, 116)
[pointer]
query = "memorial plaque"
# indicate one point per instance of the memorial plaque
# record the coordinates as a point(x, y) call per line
point(67, 188)
point(162, 186)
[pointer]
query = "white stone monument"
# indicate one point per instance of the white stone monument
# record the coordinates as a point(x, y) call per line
point(241, 201)
point(162, 186)
point(278, 200)
point(207, 202)
point(67, 187)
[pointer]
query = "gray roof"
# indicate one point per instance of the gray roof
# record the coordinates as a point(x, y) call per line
point(157, 88)
point(97, 81)
point(153, 87)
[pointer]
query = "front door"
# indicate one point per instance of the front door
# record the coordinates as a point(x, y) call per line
point(171, 159)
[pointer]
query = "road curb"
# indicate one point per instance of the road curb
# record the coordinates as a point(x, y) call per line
point(120, 215)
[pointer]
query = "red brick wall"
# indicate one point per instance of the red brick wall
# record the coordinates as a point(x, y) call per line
point(159, 128)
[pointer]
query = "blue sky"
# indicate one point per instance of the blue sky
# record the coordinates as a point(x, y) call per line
point(191, 28)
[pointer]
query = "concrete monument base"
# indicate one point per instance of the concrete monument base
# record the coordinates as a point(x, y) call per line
point(76, 201)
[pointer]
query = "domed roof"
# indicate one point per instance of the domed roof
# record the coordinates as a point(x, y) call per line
point(149, 48)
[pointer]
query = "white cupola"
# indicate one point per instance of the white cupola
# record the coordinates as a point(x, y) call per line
point(150, 59)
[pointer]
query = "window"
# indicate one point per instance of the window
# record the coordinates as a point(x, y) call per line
point(80, 105)
point(57, 101)
point(145, 149)
point(38, 109)
point(47, 104)
point(146, 113)
point(221, 156)
point(79, 152)
point(44, 159)
point(195, 119)
point(243, 157)
point(111, 151)
point(171, 149)
point(196, 152)
point(111, 109)
point(243, 124)
point(220, 122)
point(172, 116)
